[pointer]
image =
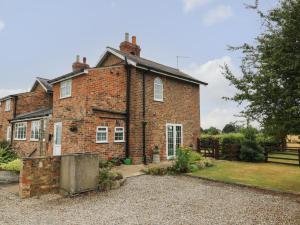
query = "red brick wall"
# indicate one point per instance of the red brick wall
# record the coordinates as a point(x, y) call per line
point(181, 106)
point(32, 101)
point(25, 148)
point(39, 176)
point(102, 88)
point(4, 117)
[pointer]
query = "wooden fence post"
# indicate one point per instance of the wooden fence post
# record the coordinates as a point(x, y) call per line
point(299, 156)
point(266, 154)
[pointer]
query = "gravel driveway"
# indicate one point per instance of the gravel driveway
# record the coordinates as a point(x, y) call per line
point(155, 200)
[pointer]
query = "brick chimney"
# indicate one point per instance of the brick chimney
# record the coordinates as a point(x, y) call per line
point(130, 47)
point(77, 65)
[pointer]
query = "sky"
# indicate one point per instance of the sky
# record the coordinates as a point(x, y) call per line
point(42, 38)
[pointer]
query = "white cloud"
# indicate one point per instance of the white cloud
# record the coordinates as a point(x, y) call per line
point(2, 25)
point(215, 111)
point(190, 5)
point(217, 15)
point(5, 92)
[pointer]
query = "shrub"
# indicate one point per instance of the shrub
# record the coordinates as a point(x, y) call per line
point(195, 156)
point(182, 161)
point(6, 153)
point(157, 171)
point(104, 164)
point(251, 151)
point(12, 166)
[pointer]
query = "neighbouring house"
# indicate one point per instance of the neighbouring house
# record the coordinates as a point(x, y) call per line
point(21, 114)
point(125, 106)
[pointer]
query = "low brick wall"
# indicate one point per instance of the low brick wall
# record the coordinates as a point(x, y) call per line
point(39, 175)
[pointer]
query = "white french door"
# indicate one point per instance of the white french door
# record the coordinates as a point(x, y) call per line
point(57, 138)
point(174, 136)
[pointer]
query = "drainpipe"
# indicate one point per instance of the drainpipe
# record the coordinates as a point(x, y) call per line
point(128, 89)
point(144, 118)
point(14, 116)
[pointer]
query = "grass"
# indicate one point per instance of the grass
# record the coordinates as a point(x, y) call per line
point(265, 175)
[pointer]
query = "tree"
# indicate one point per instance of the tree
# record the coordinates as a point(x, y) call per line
point(212, 131)
point(229, 128)
point(270, 81)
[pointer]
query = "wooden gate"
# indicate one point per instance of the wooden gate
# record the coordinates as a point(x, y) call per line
point(290, 156)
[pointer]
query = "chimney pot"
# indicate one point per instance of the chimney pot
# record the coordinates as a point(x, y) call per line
point(134, 40)
point(84, 60)
point(77, 58)
point(127, 36)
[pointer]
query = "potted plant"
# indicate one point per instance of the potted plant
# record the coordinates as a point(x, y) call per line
point(156, 155)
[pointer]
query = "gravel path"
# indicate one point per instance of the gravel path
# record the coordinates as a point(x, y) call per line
point(155, 200)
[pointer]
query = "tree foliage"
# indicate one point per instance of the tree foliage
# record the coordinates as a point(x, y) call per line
point(229, 128)
point(270, 81)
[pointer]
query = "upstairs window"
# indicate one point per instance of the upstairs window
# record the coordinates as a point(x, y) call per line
point(35, 130)
point(119, 134)
point(20, 131)
point(158, 90)
point(66, 89)
point(7, 105)
point(102, 135)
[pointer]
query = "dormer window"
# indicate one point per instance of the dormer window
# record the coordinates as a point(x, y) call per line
point(158, 90)
point(66, 89)
point(7, 105)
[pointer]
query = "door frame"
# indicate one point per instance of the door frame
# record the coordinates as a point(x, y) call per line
point(54, 138)
point(174, 138)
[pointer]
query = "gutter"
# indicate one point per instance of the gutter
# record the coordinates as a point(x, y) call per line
point(128, 89)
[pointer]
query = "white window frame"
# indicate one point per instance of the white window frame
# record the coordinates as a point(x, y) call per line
point(106, 132)
point(35, 129)
point(174, 138)
point(17, 134)
point(66, 89)
point(158, 84)
point(8, 133)
point(7, 105)
point(120, 132)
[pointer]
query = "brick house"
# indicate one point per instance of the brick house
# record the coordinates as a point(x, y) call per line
point(22, 113)
point(123, 107)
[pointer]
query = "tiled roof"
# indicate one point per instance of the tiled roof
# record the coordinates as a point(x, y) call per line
point(45, 83)
point(157, 66)
point(65, 76)
point(34, 114)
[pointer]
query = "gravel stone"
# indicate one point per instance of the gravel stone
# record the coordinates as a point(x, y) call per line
point(156, 200)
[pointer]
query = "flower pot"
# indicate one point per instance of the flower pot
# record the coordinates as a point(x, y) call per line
point(156, 158)
point(127, 161)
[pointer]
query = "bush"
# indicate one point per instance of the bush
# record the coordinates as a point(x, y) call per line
point(251, 151)
point(107, 179)
point(195, 156)
point(182, 161)
point(6, 153)
point(158, 171)
point(12, 166)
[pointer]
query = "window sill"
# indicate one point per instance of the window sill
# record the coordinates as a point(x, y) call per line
point(157, 100)
point(97, 142)
point(119, 142)
point(34, 140)
point(20, 139)
point(65, 97)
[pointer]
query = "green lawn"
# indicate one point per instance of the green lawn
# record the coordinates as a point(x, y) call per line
point(266, 175)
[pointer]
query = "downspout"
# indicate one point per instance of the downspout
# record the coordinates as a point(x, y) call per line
point(128, 89)
point(144, 118)
point(14, 116)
